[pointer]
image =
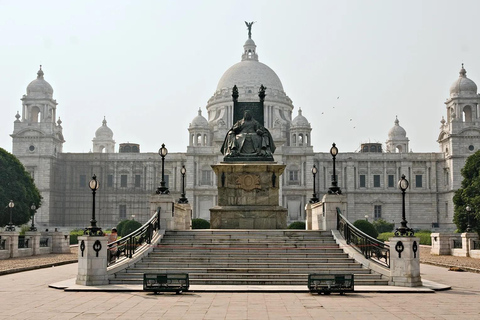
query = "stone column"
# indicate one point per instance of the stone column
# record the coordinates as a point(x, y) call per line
point(467, 242)
point(440, 243)
point(308, 216)
point(167, 206)
point(316, 216)
point(405, 262)
point(34, 241)
point(11, 244)
point(60, 242)
point(330, 203)
point(92, 261)
point(182, 216)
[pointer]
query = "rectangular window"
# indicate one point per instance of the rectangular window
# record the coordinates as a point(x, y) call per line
point(123, 181)
point(167, 178)
point(418, 181)
point(110, 180)
point(362, 181)
point(137, 181)
point(377, 212)
point(376, 181)
point(122, 211)
point(391, 181)
point(83, 181)
point(293, 176)
point(206, 177)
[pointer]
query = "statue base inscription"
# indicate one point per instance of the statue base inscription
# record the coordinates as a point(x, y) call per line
point(248, 195)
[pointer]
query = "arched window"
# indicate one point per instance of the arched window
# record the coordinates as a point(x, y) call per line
point(373, 148)
point(199, 139)
point(35, 115)
point(399, 149)
point(467, 114)
point(300, 139)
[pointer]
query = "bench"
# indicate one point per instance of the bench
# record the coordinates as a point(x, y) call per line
point(328, 283)
point(166, 282)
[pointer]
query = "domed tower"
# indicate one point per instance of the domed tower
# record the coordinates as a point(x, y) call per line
point(199, 131)
point(248, 75)
point(103, 141)
point(397, 139)
point(37, 140)
point(300, 131)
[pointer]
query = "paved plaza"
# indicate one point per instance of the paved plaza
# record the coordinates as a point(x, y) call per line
point(26, 295)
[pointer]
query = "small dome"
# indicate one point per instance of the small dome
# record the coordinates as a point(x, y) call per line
point(39, 88)
point(397, 132)
point(300, 120)
point(199, 121)
point(249, 42)
point(463, 86)
point(104, 132)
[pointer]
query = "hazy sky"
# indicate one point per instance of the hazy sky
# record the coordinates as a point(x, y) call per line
point(149, 65)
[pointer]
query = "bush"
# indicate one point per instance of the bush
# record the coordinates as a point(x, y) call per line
point(74, 234)
point(383, 226)
point(300, 225)
point(424, 236)
point(385, 236)
point(120, 226)
point(128, 227)
point(366, 227)
point(200, 224)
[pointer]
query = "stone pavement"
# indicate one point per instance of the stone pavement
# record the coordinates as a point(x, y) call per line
point(26, 295)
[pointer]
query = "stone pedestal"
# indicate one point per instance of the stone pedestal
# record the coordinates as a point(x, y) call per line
point(441, 243)
point(167, 206)
point(405, 262)
point(11, 244)
point(92, 261)
point(34, 242)
point(467, 242)
point(248, 195)
point(60, 242)
point(324, 213)
point(182, 216)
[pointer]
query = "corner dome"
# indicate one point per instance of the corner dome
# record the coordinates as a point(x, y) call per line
point(300, 120)
point(463, 86)
point(199, 121)
point(397, 132)
point(250, 73)
point(104, 132)
point(39, 88)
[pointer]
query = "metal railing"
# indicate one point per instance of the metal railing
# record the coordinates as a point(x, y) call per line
point(44, 242)
point(457, 244)
point(476, 245)
point(3, 244)
point(125, 247)
point(23, 242)
point(371, 248)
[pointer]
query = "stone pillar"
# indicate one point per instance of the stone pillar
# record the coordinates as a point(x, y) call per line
point(467, 242)
point(330, 203)
point(34, 241)
point(182, 216)
point(317, 216)
point(440, 243)
point(60, 242)
point(405, 262)
point(167, 210)
point(92, 261)
point(11, 244)
point(308, 216)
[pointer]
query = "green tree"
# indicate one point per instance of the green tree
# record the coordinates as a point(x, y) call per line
point(128, 227)
point(366, 227)
point(468, 195)
point(16, 184)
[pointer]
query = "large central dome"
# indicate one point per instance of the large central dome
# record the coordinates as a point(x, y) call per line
point(250, 72)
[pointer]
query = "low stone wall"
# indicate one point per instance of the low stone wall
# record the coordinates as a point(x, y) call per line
point(455, 244)
point(58, 242)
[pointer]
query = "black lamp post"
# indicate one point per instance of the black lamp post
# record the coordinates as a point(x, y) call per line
point(183, 199)
point(334, 188)
point(93, 230)
point(314, 198)
point(10, 226)
point(163, 189)
point(403, 230)
point(33, 207)
point(469, 227)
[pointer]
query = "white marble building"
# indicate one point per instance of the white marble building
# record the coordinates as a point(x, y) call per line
point(368, 177)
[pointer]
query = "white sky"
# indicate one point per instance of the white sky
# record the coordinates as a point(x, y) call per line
point(149, 65)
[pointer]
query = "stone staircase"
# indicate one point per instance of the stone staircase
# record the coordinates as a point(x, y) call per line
point(248, 257)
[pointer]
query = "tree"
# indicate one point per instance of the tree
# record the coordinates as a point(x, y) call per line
point(468, 195)
point(366, 227)
point(16, 184)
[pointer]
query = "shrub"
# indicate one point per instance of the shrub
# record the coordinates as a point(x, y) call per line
point(366, 227)
point(424, 236)
point(383, 226)
point(300, 225)
point(128, 227)
point(74, 234)
point(120, 226)
point(385, 236)
point(200, 224)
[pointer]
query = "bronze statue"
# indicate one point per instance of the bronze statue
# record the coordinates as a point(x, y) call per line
point(249, 26)
point(247, 138)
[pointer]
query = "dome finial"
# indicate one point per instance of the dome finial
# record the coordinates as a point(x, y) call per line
point(396, 121)
point(463, 72)
point(199, 111)
point(40, 73)
point(104, 122)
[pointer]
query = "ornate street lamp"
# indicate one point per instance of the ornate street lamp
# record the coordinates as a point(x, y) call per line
point(93, 230)
point(10, 226)
point(33, 207)
point(403, 230)
point(314, 198)
point(334, 188)
point(183, 199)
point(469, 227)
point(162, 189)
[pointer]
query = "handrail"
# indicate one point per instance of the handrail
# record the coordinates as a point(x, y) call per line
point(125, 247)
point(373, 249)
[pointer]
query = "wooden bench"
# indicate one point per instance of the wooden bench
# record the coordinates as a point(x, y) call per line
point(166, 282)
point(328, 283)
